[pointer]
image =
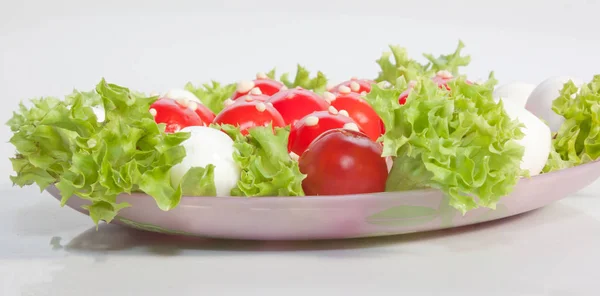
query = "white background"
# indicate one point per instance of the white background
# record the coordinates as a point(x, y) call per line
point(51, 47)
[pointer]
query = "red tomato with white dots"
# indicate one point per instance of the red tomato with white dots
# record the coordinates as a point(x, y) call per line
point(264, 85)
point(305, 130)
point(256, 97)
point(202, 111)
point(175, 115)
point(248, 98)
point(247, 114)
point(342, 162)
point(354, 85)
point(293, 104)
point(361, 112)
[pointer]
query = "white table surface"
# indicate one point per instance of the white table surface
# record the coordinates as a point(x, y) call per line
point(50, 47)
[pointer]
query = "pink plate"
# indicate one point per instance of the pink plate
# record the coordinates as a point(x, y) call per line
point(336, 217)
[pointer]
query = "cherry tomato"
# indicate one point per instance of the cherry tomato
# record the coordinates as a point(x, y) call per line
point(175, 115)
point(361, 112)
point(258, 97)
point(248, 97)
point(353, 85)
point(249, 113)
point(202, 111)
point(305, 130)
point(341, 162)
point(265, 85)
point(404, 94)
point(293, 104)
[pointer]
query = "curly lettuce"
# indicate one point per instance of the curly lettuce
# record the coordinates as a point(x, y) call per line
point(401, 65)
point(459, 141)
point(213, 94)
point(61, 142)
point(317, 84)
point(266, 167)
point(578, 139)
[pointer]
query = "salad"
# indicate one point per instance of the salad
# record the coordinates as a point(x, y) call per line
point(414, 125)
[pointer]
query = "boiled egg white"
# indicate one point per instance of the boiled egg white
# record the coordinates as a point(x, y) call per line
point(516, 92)
point(541, 98)
point(209, 146)
point(537, 140)
point(181, 94)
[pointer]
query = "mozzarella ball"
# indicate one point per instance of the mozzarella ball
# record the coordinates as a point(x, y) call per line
point(541, 98)
point(209, 146)
point(516, 92)
point(181, 94)
point(537, 140)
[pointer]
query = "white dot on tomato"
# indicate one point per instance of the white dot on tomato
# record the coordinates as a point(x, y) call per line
point(351, 126)
point(344, 89)
point(261, 107)
point(332, 110)
point(329, 97)
point(256, 91)
point(245, 86)
point(311, 120)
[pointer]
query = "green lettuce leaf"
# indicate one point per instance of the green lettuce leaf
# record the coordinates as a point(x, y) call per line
point(267, 169)
point(271, 74)
point(212, 95)
point(89, 98)
point(578, 139)
point(401, 65)
point(199, 181)
point(44, 150)
point(317, 84)
point(460, 141)
point(556, 162)
point(60, 142)
point(449, 62)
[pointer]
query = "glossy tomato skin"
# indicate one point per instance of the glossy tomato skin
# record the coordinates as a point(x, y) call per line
point(258, 97)
point(294, 104)
point(202, 111)
point(354, 85)
point(247, 114)
point(361, 112)
point(266, 86)
point(175, 115)
point(342, 162)
point(305, 130)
